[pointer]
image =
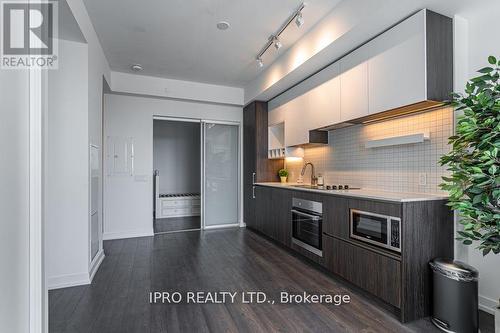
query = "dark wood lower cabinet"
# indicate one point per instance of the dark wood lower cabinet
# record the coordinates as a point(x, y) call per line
point(281, 206)
point(402, 280)
point(373, 272)
point(272, 213)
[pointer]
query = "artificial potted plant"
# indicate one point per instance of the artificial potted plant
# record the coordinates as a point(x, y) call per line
point(283, 173)
point(474, 162)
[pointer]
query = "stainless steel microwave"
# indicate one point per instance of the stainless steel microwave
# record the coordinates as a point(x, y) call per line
point(380, 230)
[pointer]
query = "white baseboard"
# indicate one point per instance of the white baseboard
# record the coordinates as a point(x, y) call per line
point(211, 227)
point(127, 234)
point(487, 304)
point(243, 225)
point(70, 280)
point(94, 265)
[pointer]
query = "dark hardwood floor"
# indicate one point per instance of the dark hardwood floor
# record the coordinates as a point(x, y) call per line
point(220, 260)
point(172, 224)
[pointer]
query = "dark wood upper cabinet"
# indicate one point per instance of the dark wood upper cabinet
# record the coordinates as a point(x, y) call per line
point(256, 166)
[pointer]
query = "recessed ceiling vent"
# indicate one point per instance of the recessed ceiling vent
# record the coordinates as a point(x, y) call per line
point(223, 25)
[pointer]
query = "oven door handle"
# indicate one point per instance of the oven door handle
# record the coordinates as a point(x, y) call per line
point(313, 217)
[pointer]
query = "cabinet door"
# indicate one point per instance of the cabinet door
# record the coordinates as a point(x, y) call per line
point(281, 207)
point(296, 114)
point(265, 211)
point(249, 163)
point(375, 273)
point(276, 115)
point(396, 69)
point(336, 216)
point(354, 90)
point(324, 104)
point(263, 218)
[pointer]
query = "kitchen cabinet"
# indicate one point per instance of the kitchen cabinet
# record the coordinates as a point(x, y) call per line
point(402, 280)
point(264, 220)
point(376, 273)
point(408, 68)
point(281, 212)
point(273, 217)
point(297, 111)
point(311, 109)
point(354, 85)
point(324, 101)
point(256, 166)
point(336, 216)
point(396, 69)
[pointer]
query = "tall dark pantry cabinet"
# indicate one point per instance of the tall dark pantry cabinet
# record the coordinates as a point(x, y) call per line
point(256, 166)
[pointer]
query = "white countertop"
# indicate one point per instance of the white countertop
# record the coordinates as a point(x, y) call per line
point(362, 193)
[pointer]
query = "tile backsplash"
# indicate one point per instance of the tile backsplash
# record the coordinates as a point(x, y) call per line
point(403, 168)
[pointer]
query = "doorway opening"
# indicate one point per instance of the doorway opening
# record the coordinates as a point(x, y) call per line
point(177, 176)
point(196, 168)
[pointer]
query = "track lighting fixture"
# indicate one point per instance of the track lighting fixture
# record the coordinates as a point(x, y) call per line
point(299, 20)
point(277, 43)
point(260, 63)
point(275, 38)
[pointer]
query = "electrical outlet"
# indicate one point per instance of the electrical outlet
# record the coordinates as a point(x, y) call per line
point(422, 179)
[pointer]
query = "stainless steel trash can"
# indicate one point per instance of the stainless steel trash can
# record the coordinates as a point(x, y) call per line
point(455, 296)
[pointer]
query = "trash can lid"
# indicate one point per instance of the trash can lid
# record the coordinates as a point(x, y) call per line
point(457, 269)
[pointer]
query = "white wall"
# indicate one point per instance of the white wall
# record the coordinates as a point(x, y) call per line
point(176, 150)
point(14, 204)
point(74, 122)
point(67, 241)
point(185, 90)
point(128, 201)
point(483, 28)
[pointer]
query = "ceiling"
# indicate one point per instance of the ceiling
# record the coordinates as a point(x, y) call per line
point(178, 39)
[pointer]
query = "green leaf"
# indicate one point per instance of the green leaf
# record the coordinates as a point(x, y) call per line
point(485, 70)
point(492, 60)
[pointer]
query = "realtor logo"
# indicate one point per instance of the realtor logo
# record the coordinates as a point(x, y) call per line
point(29, 32)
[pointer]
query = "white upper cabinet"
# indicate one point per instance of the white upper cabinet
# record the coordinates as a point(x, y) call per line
point(354, 85)
point(276, 116)
point(396, 69)
point(324, 101)
point(408, 68)
point(296, 128)
point(317, 104)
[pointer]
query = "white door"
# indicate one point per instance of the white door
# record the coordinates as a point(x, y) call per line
point(220, 193)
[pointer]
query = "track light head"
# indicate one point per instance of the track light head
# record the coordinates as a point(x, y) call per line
point(260, 63)
point(277, 43)
point(299, 20)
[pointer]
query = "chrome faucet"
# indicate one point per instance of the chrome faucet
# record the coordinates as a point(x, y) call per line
point(314, 179)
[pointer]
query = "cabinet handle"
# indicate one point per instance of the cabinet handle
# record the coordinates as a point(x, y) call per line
point(253, 178)
point(253, 192)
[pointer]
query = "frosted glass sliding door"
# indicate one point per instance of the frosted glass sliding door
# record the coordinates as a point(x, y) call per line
point(221, 174)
